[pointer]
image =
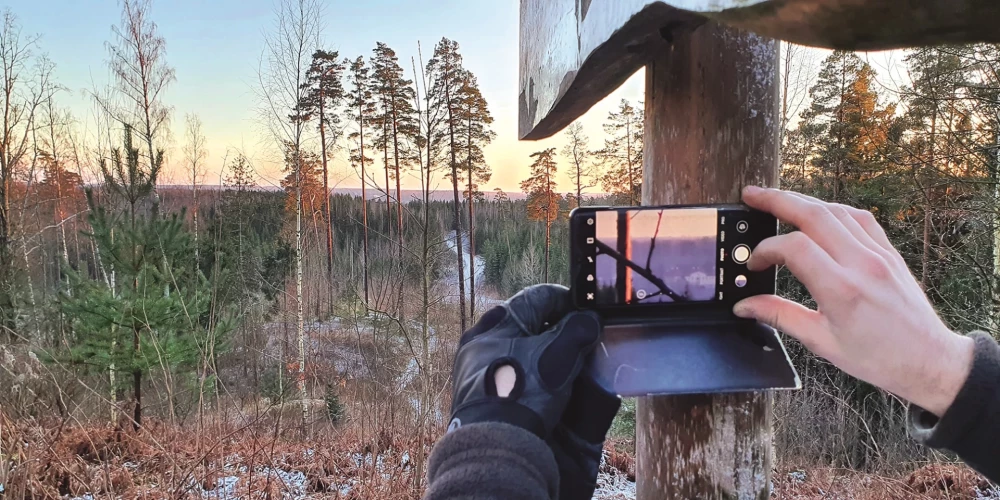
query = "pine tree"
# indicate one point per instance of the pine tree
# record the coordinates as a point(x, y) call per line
point(447, 79)
point(543, 200)
point(362, 109)
point(164, 330)
point(475, 121)
point(394, 96)
point(846, 121)
point(621, 156)
point(323, 97)
point(133, 253)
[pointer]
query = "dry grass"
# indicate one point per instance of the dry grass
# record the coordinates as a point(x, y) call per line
point(48, 460)
point(930, 482)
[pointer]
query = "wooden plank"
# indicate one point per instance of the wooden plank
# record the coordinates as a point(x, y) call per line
point(711, 128)
point(573, 53)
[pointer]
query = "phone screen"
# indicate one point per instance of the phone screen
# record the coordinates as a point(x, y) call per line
point(654, 256)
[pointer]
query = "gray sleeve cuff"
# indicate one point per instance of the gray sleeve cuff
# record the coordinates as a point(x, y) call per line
point(971, 426)
point(491, 460)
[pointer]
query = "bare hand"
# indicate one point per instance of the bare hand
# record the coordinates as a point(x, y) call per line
point(873, 319)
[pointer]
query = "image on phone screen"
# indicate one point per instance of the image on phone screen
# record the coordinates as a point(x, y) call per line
point(655, 256)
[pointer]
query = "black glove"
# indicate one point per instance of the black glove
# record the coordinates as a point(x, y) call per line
point(545, 361)
point(578, 440)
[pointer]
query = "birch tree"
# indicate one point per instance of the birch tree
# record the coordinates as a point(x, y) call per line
point(138, 63)
point(195, 153)
point(281, 78)
point(23, 92)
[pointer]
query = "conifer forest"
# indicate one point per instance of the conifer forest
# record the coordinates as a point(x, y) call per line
point(215, 336)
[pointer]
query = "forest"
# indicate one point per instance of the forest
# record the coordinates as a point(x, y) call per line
point(219, 339)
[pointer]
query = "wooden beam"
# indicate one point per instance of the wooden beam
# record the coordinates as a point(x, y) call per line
point(711, 127)
point(575, 52)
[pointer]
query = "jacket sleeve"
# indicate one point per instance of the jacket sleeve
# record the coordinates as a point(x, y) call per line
point(491, 461)
point(971, 426)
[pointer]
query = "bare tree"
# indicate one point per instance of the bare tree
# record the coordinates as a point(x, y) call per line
point(578, 152)
point(281, 78)
point(798, 71)
point(195, 153)
point(138, 63)
point(23, 91)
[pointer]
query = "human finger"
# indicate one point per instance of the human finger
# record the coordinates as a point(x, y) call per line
point(792, 318)
point(845, 215)
point(812, 217)
point(815, 268)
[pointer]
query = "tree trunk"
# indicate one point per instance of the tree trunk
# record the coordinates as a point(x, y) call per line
point(628, 162)
point(399, 191)
point(194, 216)
point(388, 190)
point(457, 211)
point(327, 217)
point(472, 225)
point(723, 81)
point(548, 219)
point(364, 197)
point(299, 312)
point(928, 209)
point(7, 315)
point(399, 209)
point(136, 388)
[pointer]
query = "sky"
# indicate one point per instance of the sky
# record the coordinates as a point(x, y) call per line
point(215, 46)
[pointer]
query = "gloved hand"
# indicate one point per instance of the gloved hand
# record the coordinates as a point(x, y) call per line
point(578, 441)
point(514, 339)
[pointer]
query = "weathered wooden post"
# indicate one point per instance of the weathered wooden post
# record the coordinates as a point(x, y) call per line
point(711, 128)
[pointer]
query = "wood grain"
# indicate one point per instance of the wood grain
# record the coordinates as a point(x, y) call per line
point(711, 128)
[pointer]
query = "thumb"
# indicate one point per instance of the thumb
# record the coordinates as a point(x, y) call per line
point(570, 341)
point(789, 317)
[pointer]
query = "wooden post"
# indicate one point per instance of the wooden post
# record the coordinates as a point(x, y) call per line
point(711, 127)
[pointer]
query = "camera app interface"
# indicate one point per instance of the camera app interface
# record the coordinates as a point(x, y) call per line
point(655, 256)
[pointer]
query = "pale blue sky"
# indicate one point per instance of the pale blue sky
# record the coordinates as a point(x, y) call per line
point(215, 45)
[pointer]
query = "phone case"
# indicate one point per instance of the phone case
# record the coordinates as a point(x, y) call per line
point(690, 355)
point(691, 349)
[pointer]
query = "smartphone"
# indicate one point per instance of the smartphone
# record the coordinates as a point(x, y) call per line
point(628, 260)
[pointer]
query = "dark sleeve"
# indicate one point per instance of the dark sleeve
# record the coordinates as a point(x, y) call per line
point(971, 426)
point(492, 461)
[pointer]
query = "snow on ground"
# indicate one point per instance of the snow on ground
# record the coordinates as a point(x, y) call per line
point(614, 486)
